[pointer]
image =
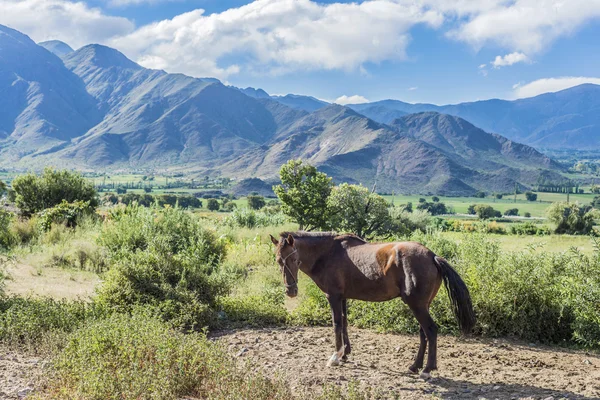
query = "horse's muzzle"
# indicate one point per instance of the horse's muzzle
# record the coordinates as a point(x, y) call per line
point(291, 291)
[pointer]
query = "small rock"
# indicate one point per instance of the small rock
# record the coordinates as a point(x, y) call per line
point(24, 392)
point(587, 362)
point(241, 352)
point(549, 398)
point(496, 388)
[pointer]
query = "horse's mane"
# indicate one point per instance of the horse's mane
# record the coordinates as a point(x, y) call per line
point(332, 235)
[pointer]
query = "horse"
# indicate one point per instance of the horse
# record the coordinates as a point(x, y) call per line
point(347, 267)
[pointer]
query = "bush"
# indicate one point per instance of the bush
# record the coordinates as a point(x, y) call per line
point(139, 357)
point(511, 212)
point(480, 195)
point(36, 193)
point(527, 215)
point(572, 218)
point(485, 211)
point(65, 213)
point(245, 218)
point(405, 223)
point(213, 205)
point(435, 199)
point(529, 228)
point(256, 202)
point(166, 261)
point(7, 240)
point(530, 196)
point(433, 208)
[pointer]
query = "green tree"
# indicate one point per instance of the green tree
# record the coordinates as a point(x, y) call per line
point(484, 211)
point(303, 194)
point(512, 212)
point(572, 217)
point(213, 204)
point(3, 188)
point(256, 202)
point(480, 194)
point(35, 193)
point(352, 208)
point(435, 199)
point(499, 196)
point(530, 196)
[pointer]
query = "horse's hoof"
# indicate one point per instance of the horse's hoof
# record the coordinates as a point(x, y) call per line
point(413, 370)
point(425, 375)
point(334, 361)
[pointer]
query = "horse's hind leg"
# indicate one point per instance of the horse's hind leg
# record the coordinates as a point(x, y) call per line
point(430, 329)
point(418, 364)
point(335, 302)
point(347, 348)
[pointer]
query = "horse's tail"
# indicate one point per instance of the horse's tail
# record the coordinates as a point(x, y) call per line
point(459, 295)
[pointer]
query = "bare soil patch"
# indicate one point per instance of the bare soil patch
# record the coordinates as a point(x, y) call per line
point(468, 368)
point(20, 373)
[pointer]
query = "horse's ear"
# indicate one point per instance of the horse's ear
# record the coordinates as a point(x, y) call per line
point(290, 240)
point(275, 241)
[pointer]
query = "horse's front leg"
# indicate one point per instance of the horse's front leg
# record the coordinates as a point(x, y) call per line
point(335, 302)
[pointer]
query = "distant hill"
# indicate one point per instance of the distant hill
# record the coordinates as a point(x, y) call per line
point(566, 119)
point(57, 47)
point(96, 109)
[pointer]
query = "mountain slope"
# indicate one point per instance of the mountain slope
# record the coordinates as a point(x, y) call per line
point(43, 104)
point(421, 153)
point(57, 47)
point(566, 119)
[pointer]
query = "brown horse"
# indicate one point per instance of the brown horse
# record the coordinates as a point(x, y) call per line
point(347, 267)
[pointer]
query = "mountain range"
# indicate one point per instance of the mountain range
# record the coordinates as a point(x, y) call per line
point(93, 108)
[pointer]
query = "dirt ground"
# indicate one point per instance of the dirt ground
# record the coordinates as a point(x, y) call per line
point(468, 368)
point(19, 373)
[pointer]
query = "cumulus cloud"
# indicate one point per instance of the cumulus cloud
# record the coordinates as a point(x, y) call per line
point(279, 36)
point(126, 3)
point(356, 99)
point(73, 22)
point(509, 59)
point(521, 25)
point(413, 88)
point(550, 85)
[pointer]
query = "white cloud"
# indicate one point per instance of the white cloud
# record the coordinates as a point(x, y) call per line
point(413, 88)
point(356, 99)
point(73, 22)
point(520, 25)
point(550, 85)
point(509, 59)
point(482, 66)
point(126, 3)
point(279, 36)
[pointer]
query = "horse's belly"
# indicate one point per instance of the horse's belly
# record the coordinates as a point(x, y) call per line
point(381, 289)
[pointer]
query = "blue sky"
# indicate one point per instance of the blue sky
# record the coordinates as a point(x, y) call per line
point(433, 51)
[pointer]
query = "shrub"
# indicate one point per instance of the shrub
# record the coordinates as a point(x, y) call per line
point(572, 217)
point(530, 196)
point(145, 200)
point(352, 208)
point(499, 196)
point(529, 228)
point(433, 208)
point(511, 212)
point(405, 223)
point(65, 213)
point(25, 230)
point(527, 215)
point(471, 209)
point(213, 205)
point(165, 259)
point(36, 193)
point(7, 239)
point(480, 195)
point(256, 202)
point(245, 218)
point(435, 199)
point(139, 357)
point(485, 211)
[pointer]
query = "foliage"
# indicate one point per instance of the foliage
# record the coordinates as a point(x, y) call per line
point(485, 211)
point(352, 208)
point(512, 212)
point(499, 196)
point(139, 357)
point(303, 194)
point(405, 223)
point(435, 199)
point(213, 204)
point(163, 258)
point(572, 218)
point(7, 240)
point(256, 202)
point(246, 218)
point(529, 228)
point(36, 193)
point(65, 214)
point(145, 200)
point(527, 215)
point(480, 194)
point(433, 208)
point(530, 196)
point(3, 188)
point(185, 201)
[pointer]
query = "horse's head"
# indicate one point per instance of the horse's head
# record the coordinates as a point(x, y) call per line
point(287, 257)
